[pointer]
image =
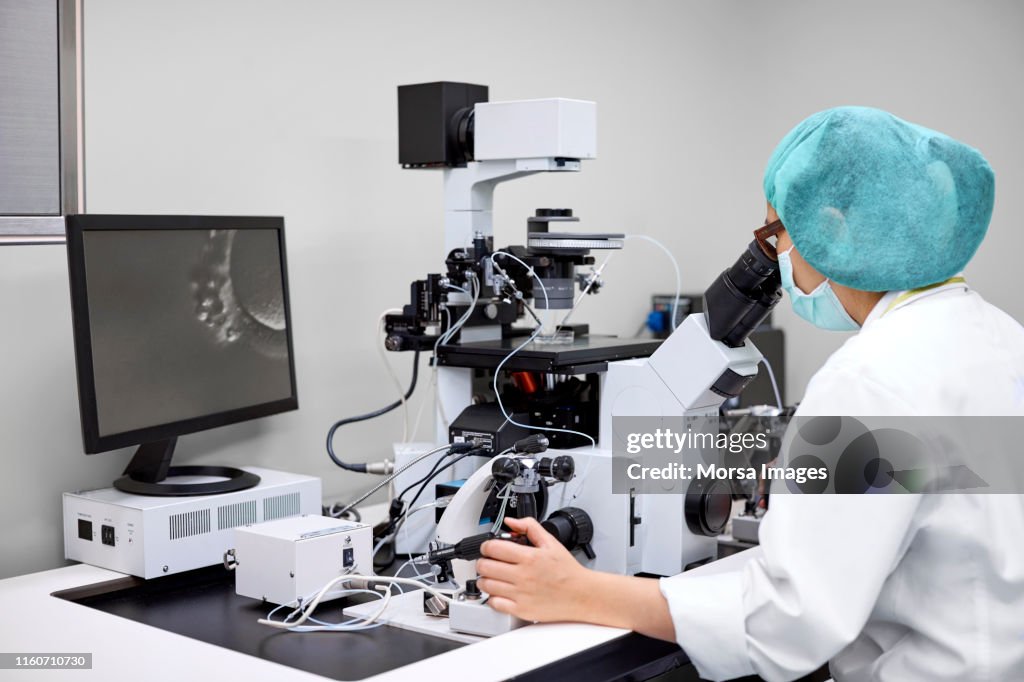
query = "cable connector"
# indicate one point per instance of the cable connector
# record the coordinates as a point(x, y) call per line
point(380, 468)
point(468, 445)
point(360, 584)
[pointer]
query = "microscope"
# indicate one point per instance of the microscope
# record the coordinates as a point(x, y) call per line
point(567, 392)
point(468, 315)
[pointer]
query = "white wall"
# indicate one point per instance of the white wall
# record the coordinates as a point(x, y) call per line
point(276, 107)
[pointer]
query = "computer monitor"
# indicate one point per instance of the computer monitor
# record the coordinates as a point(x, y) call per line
point(181, 324)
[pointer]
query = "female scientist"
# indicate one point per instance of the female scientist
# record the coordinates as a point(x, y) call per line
point(877, 218)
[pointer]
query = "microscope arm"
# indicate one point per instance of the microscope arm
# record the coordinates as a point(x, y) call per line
point(700, 372)
point(461, 518)
point(469, 194)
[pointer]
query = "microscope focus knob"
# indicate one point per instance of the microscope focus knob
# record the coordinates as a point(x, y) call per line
point(505, 469)
point(560, 468)
point(472, 591)
point(707, 507)
point(572, 527)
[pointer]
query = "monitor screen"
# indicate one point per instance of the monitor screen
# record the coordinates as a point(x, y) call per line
point(181, 324)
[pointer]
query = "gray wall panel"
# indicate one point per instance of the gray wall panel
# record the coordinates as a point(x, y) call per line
point(29, 113)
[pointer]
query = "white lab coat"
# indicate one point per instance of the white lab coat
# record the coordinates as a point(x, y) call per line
point(885, 587)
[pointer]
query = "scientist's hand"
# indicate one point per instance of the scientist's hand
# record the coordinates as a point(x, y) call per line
point(539, 583)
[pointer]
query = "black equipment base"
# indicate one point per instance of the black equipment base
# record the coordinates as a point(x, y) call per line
point(202, 605)
point(234, 479)
point(151, 464)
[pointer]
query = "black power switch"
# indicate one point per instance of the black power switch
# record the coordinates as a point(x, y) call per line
point(84, 530)
point(348, 557)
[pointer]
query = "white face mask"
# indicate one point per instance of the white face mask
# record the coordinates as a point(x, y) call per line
point(821, 307)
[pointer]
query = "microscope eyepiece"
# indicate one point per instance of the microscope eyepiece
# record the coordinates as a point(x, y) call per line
point(742, 296)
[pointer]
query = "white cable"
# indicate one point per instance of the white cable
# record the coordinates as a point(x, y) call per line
point(357, 625)
point(775, 386)
point(433, 380)
point(383, 541)
point(411, 562)
point(432, 388)
point(308, 605)
point(475, 285)
point(675, 266)
point(438, 404)
point(536, 333)
point(416, 574)
point(354, 625)
point(504, 494)
point(401, 581)
point(447, 336)
point(428, 505)
point(413, 434)
point(404, 528)
point(586, 290)
point(452, 328)
point(444, 338)
point(401, 524)
point(391, 370)
point(307, 610)
point(580, 479)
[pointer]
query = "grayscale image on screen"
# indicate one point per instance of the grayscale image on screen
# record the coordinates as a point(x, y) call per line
point(184, 323)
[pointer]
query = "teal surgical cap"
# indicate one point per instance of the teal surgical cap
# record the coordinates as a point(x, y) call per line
point(876, 203)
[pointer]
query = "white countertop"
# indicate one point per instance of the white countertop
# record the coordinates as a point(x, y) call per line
point(36, 622)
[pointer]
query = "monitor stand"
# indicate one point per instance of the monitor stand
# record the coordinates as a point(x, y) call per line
point(152, 464)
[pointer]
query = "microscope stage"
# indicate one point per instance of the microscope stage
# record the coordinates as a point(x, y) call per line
point(584, 355)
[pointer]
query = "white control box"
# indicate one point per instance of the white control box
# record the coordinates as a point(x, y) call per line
point(151, 537)
point(290, 559)
point(535, 129)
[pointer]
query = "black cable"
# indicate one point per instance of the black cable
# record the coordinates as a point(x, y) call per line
point(396, 514)
point(395, 523)
point(429, 478)
point(482, 452)
point(430, 474)
point(392, 526)
point(361, 468)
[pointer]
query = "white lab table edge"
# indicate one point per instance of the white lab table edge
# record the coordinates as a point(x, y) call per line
point(36, 622)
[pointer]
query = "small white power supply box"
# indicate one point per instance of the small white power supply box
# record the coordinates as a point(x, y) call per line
point(287, 560)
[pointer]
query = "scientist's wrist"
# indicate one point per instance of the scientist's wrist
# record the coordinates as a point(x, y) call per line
point(590, 599)
point(623, 602)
